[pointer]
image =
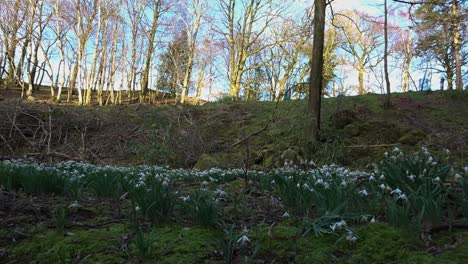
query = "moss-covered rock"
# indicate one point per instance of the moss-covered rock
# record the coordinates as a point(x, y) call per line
point(352, 130)
point(206, 162)
point(412, 137)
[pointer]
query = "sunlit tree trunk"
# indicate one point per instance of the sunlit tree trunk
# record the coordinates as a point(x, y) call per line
point(456, 44)
point(150, 51)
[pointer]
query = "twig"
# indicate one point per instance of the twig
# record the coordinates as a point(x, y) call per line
point(373, 146)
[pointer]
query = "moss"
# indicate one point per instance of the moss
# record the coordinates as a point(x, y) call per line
point(206, 162)
point(286, 244)
point(380, 243)
point(458, 254)
point(94, 245)
point(185, 245)
point(352, 130)
point(412, 137)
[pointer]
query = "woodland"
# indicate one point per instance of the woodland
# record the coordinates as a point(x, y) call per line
point(233, 131)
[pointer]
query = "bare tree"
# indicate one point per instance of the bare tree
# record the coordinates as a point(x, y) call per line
point(243, 29)
point(195, 10)
point(362, 38)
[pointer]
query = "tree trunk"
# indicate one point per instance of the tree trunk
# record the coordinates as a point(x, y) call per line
point(149, 53)
point(361, 79)
point(316, 76)
point(456, 44)
point(387, 103)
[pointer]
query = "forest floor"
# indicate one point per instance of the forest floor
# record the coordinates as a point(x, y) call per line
point(97, 220)
point(356, 131)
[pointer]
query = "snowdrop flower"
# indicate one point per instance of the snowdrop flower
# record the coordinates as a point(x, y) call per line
point(165, 183)
point(386, 154)
point(273, 182)
point(204, 183)
point(396, 191)
point(351, 237)
point(458, 177)
point(185, 198)
point(447, 151)
point(343, 183)
point(371, 178)
point(434, 163)
point(382, 177)
point(396, 150)
point(382, 186)
point(412, 177)
point(285, 215)
point(220, 193)
point(137, 208)
point(436, 180)
point(307, 187)
point(402, 197)
point(326, 185)
point(466, 169)
point(74, 205)
point(319, 181)
point(373, 221)
point(243, 240)
point(363, 192)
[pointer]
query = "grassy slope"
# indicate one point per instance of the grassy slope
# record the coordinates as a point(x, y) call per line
point(181, 136)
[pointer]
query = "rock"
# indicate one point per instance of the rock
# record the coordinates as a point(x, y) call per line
point(289, 155)
point(206, 162)
point(342, 118)
point(352, 130)
point(412, 137)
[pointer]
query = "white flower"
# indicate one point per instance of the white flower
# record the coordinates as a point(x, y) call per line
point(396, 150)
point(307, 187)
point(243, 240)
point(319, 181)
point(220, 193)
point(382, 177)
point(351, 237)
point(285, 215)
point(447, 151)
point(371, 178)
point(363, 192)
point(372, 221)
point(466, 169)
point(386, 154)
point(412, 177)
point(74, 205)
point(396, 191)
point(273, 182)
point(185, 198)
point(382, 186)
point(458, 177)
point(402, 197)
point(434, 163)
point(436, 180)
point(137, 208)
point(343, 183)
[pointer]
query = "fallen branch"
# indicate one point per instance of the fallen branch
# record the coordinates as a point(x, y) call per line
point(373, 146)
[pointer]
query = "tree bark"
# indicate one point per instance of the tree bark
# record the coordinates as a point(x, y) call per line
point(456, 45)
point(387, 103)
point(316, 76)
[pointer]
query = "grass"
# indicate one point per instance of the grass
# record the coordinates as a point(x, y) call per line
point(180, 135)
